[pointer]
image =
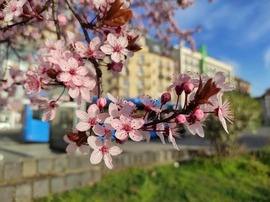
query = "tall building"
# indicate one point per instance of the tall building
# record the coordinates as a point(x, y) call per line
point(198, 62)
point(148, 72)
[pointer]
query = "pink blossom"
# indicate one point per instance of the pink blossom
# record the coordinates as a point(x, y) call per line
point(72, 146)
point(181, 79)
point(219, 80)
point(32, 83)
point(102, 130)
point(124, 106)
point(83, 91)
point(160, 130)
point(49, 111)
point(51, 44)
point(62, 19)
point(89, 119)
point(71, 71)
point(127, 126)
point(196, 128)
point(90, 51)
point(49, 107)
point(222, 110)
point(102, 150)
point(13, 8)
point(116, 47)
point(150, 104)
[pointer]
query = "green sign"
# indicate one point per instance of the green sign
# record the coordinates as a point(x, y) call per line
point(203, 62)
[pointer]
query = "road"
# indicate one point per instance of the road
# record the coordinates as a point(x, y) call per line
point(13, 148)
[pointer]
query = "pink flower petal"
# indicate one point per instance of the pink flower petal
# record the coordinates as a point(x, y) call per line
point(93, 110)
point(82, 126)
point(82, 71)
point(99, 130)
point(96, 157)
point(73, 63)
point(172, 140)
point(82, 115)
point(136, 135)
point(94, 142)
point(77, 80)
point(71, 148)
point(116, 57)
point(101, 117)
point(137, 123)
point(121, 135)
point(108, 160)
point(73, 92)
point(107, 49)
point(84, 149)
point(66, 139)
point(64, 76)
point(114, 150)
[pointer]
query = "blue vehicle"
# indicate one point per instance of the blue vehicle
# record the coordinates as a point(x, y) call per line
point(34, 129)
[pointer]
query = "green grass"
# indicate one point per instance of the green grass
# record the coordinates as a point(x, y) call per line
point(240, 178)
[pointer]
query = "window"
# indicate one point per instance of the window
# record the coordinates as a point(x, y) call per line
point(125, 82)
point(140, 59)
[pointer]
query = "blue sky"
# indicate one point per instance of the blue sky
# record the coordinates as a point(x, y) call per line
point(236, 32)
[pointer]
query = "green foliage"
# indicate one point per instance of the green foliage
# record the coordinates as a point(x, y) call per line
point(247, 117)
point(240, 178)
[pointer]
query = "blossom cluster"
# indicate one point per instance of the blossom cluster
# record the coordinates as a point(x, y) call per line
point(203, 96)
point(74, 61)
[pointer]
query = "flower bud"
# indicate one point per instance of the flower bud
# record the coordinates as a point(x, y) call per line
point(52, 73)
point(165, 97)
point(180, 119)
point(198, 114)
point(62, 19)
point(101, 102)
point(178, 89)
point(188, 87)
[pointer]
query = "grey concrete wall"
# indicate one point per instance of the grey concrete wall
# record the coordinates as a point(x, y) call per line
point(29, 178)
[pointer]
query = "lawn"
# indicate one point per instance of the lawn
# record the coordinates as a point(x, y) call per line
point(239, 178)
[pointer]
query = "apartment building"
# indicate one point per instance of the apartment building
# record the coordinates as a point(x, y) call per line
point(149, 72)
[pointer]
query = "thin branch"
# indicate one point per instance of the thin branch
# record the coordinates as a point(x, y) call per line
point(187, 110)
point(54, 12)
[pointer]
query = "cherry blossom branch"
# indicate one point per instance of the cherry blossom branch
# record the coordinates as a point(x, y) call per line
point(61, 94)
point(187, 110)
point(80, 20)
point(46, 5)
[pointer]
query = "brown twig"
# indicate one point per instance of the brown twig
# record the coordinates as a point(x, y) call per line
point(28, 19)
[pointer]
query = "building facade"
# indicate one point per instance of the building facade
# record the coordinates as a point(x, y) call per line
point(265, 104)
point(242, 86)
point(197, 62)
point(151, 70)
point(148, 72)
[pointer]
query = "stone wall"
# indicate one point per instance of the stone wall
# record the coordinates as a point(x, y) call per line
point(24, 180)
